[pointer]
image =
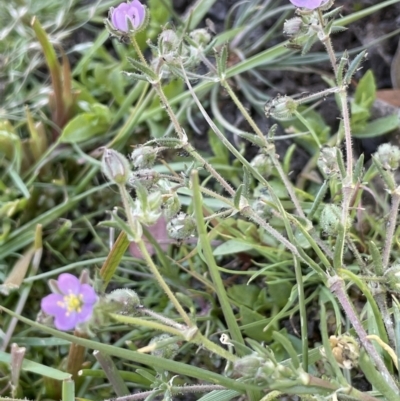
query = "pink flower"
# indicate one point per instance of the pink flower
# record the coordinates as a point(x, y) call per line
point(310, 4)
point(73, 304)
point(134, 12)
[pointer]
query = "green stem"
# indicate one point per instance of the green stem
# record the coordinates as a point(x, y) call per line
point(186, 145)
point(213, 268)
point(137, 49)
point(271, 153)
point(326, 40)
point(142, 247)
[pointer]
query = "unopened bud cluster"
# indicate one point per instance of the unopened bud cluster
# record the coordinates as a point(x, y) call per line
point(182, 226)
point(165, 349)
point(173, 50)
point(330, 220)
point(281, 108)
point(260, 370)
point(389, 156)
point(122, 301)
point(263, 204)
point(263, 164)
point(392, 278)
point(327, 161)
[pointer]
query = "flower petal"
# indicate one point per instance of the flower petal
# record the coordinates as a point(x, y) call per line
point(66, 321)
point(51, 304)
point(85, 314)
point(140, 12)
point(118, 17)
point(88, 294)
point(68, 284)
point(310, 4)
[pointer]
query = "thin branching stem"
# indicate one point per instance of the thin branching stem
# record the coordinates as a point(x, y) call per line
point(392, 224)
point(337, 287)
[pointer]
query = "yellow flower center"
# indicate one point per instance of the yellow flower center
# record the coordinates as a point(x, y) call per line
point(72, 303)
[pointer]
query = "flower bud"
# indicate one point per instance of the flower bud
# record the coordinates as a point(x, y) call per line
point(123, 301)
point(389, 156)
point(143, 157)
point(392, 276)
point(201, 37)
point(145, 177)
point(281, 107)
point(181, 227)
point(327, 161)
point(148, 210)
point(167, 351)
point(330, 219)
point(168, 42)
point(115, 166)
point(292, 26)
point(263, 164)
point(172, 206)
point(248, 366)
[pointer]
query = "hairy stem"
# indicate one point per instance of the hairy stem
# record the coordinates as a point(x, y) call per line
point(394, 210)
point(336, 286)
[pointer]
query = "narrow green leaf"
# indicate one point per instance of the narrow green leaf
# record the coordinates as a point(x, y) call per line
point(137, 357)
point(341, 66)
point(82, 127)
point(114, 258)
point(255, 139)
point(222, 59)
point(378, 127)
point(354, 65)
point(376, 258)
point(142, 68)
point(37, 368)
point(359, 169)
point(238, 196)
point(286, 344)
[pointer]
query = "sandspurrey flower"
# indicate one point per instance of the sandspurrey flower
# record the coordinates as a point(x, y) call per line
point(72, 303)
point(128, 16)
point(309, 4)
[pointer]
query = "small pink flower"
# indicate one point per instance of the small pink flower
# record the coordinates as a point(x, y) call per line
point(134, 12)
point(309, 4)
point(72, 305)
